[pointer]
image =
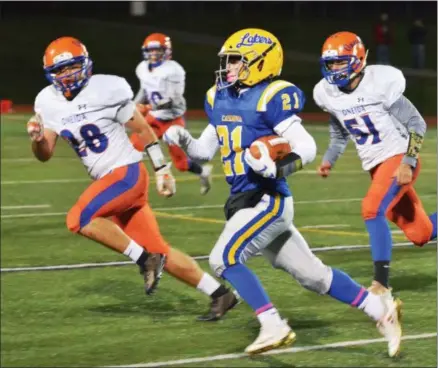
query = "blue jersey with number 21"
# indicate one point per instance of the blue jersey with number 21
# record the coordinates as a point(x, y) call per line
point(240, 119)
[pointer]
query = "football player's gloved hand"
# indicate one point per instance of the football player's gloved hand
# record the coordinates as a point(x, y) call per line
point(174, 135)
point(165, 181)
point(263, 166)
point(35, 128)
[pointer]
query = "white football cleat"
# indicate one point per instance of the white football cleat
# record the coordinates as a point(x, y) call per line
point(272, 337)
point(390, 324)
point(205, 179)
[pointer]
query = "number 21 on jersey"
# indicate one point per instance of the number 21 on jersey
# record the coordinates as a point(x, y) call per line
point(231, 149)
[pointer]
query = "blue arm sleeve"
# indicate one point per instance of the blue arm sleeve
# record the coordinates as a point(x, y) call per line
point(283, 105)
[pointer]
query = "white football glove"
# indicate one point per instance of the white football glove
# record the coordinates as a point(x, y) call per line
point(174, 135)
point(35, 128)
point(263, 166)
point(165, 181)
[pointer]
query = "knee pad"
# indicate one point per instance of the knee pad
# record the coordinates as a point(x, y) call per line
point(216, 264)
point(317, 280)
point(73, 219)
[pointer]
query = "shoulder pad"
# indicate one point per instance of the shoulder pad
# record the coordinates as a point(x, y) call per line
point(270, 91)
point(211, 93)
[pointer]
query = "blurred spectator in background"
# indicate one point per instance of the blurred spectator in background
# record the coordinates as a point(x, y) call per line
point(417, 39)
point(383, 39)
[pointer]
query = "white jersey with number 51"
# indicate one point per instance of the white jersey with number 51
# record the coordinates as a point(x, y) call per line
point(364, 113)
point(93, 122)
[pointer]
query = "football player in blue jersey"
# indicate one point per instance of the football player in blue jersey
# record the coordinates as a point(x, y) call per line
point(246, 103)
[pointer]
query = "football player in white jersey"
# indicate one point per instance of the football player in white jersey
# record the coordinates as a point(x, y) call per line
point(91, 113)
point(366, 104)
point(162, 84)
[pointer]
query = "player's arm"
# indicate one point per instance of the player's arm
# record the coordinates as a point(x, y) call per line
point(279, 104)
point(128, 115)
point(393, 88)
point(338, 141)
point(281, 113)
point(302, 143)
point(406, 113)
point(147, 138)
point(205, 147)
point(43, 140)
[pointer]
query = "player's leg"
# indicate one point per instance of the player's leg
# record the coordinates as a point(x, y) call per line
point(382, 192)
point(291, 253)
point(183, 163)
point(112, 194)
point(409, 215)
point(245, 233)
point(141, 225)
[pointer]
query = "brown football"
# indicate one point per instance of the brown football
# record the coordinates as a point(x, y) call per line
point(277, 146)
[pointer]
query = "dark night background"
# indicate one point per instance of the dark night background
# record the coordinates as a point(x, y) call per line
point(114, 37)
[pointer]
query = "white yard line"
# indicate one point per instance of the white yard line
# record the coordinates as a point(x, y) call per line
point(25, 206)
point(201, 207)
point(198, 258)
point(293, 350)
point(45, 181)
point(25, 215)
point(58, 181)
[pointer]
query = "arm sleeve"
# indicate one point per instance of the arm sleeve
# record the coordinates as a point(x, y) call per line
point(406, 113)
point(204, 148)
point(338, 141)
point(301, 141)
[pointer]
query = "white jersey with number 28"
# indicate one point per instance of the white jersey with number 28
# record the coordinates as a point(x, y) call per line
point(93, 122)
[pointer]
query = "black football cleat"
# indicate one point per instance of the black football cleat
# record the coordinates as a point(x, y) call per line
point(152, 271)
point(219, 307)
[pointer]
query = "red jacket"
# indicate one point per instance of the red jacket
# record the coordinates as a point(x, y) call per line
point(382, 34)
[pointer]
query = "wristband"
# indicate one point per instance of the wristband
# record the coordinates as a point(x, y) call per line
point(288, 165)
point(156, 155)
point(414, 145)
